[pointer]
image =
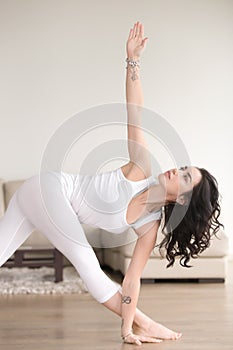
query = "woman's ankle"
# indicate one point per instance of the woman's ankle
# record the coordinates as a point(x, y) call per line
point(141, 320)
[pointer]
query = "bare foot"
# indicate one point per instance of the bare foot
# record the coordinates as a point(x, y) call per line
point(156, 330)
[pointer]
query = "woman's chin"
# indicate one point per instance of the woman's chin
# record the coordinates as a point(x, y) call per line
point(162, 179)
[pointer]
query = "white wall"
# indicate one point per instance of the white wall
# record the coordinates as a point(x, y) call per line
point(60, 57)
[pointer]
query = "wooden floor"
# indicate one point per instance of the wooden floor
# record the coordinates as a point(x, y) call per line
point(202, 312)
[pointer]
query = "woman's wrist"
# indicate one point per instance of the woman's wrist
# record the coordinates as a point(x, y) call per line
point(133, 59)
point(125, 334)
point(125, 329)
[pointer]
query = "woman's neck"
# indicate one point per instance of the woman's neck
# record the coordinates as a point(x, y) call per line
point(154, 198)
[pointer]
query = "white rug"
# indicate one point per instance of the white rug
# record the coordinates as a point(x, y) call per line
point(26, 280)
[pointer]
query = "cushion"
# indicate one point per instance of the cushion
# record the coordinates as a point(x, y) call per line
point(10, 188)
point(218, 247)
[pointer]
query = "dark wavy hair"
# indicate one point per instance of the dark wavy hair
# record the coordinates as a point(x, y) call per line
point(188, 228)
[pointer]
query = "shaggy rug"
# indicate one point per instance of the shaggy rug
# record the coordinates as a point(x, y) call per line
point(39, 281)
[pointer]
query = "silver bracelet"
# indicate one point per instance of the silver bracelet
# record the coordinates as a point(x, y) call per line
point(125, 336)
point(132, 63)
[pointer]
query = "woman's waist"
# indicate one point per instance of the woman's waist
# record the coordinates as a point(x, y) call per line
point(99, 213)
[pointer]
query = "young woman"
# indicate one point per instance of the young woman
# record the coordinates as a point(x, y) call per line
point(56, 205)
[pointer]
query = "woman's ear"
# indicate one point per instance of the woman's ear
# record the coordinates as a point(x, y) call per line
point(182, 199)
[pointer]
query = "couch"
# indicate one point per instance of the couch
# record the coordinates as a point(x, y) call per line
point(115, 251)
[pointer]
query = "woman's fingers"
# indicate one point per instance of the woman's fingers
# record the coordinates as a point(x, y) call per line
point(130, 34)
point(142, 30)
point(149, 340)
point(137, 342)
point(132, 339)
point(134, 30)
point(139, 339)
point(144, 42)
point(137, 31)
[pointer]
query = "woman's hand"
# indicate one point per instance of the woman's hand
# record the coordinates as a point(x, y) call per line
point(136, 43)
point(139, 339)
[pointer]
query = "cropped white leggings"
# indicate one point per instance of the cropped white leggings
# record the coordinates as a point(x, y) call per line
point(59, 223)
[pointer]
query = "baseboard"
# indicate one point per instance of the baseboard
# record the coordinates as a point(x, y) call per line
point(182, 280)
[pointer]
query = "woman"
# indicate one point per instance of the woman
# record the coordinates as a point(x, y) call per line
point(56, 204)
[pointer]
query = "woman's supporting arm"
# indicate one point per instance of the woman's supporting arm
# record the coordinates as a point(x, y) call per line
point(131, 282)
point(130, 294)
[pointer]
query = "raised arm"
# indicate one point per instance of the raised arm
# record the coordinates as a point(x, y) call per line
point(137, 148)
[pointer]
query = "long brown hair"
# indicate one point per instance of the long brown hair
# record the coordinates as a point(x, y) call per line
point(188, 233)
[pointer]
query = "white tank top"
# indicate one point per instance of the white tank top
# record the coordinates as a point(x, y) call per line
point(102, 200)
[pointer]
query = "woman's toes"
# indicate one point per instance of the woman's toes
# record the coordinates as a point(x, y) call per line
point(178, 335)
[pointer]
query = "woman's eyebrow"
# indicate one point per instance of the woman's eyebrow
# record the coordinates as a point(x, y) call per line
point(183, 167)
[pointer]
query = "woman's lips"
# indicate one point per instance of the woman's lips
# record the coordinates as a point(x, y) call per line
point(168, 174)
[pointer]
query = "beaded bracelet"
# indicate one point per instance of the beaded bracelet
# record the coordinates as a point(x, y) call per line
point(132, 63)
point(125, 336)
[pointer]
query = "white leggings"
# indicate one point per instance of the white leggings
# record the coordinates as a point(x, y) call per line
point(59, 223)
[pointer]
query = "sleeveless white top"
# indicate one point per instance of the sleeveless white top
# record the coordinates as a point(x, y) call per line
point(102, 200)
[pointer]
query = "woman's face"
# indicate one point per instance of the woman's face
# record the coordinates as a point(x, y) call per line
point(178, 181)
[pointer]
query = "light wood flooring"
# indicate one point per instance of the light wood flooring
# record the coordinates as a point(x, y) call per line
point(202, 312)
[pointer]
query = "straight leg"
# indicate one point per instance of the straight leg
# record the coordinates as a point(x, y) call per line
point(14, 230)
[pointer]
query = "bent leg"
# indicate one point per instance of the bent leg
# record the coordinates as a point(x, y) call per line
point(14, 230)
point(48, 209)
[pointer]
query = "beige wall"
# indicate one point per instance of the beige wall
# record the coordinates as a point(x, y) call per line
point(60, 57)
